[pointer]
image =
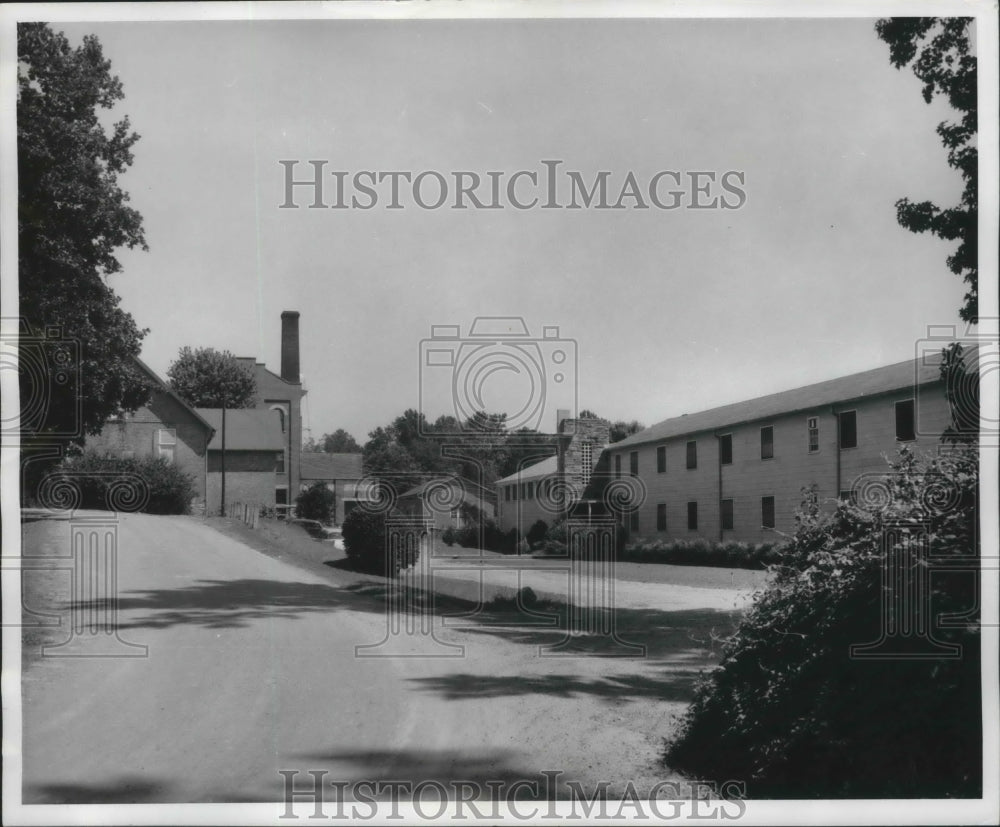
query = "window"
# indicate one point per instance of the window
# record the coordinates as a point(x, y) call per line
point(726, 514)
point(848, 429)
point(692, 516)
point(618, 466)
point(166, 443)
point(513, 491)
point(848, 496)
point(812, 423)
point(506, 493)
point(279, 465)
point(531, 491)
point(633, 463)
point(726, 449)
point(661, 516)
point(692, 454)
point(633, 520)
point(281, 418)
point(905, 426)
point(767, 442)
point(767, 512)
point(587, 460)
point(661, 459)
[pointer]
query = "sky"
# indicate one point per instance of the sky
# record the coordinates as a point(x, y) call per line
point(660, 312)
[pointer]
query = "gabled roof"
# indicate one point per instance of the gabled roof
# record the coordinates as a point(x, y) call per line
point(465, 495)
point(163, 387)
point(857, 386)
point(546, 467)
point(315, 465)
point(250, 429)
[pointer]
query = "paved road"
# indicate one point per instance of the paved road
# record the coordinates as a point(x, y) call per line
point(252, 668)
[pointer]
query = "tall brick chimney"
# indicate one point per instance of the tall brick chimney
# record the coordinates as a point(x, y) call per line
point(290, 346)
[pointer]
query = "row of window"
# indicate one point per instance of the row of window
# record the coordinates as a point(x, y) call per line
point(526, 490)
point(847, 437)
point(726, 515)
point(166, 447)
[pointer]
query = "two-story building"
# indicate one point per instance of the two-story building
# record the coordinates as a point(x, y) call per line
point(738, 471)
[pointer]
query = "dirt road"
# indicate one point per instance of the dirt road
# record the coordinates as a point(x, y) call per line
point(252, 668)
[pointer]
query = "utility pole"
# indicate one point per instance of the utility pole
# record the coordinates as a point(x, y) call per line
point(223, 458)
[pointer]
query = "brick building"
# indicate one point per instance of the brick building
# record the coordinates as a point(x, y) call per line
point(737, 471)
point(255, 451)
point(341, 473)
point(166, 426)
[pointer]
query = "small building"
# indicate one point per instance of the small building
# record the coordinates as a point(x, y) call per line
point(342, 474)
point(254, 456)
point(166, 426)
point(450, 502)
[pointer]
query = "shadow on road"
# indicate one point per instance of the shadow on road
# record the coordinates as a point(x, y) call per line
point(125, 790)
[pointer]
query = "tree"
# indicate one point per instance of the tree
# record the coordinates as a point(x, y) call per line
point(72, 217)
point(339, 442)
point(940, 50)
point(208, 378)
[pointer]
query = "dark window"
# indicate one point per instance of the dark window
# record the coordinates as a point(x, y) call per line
point(726, 509)
point(513, 491)
point(279, 464)
point(849, 429)
point(813, 425)
point(633, 463)
point(618, 465)
point(848, 496)
point(767, 442)
point(661, 459)
point(726, 449)
point(905, 427)
point(661, 516)
point(506, 493)
point(767, 512)
point(692, 516)
point(531, 491)
point(692, 454)
point(633, 519)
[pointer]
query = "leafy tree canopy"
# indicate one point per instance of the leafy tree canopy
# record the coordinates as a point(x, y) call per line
point(339, 442)
point(208, 378)
point(940, 50)
point(72, 217)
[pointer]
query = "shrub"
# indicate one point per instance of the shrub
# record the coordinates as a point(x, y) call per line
point(148, 484)
point(536, 534)
point(365, 541)
point(448, 536)
point(792, 712)
point(730, 554)
point(316, 503)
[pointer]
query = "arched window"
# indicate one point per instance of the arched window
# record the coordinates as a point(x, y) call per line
point(281, 417)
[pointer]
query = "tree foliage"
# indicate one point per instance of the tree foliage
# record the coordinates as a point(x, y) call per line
point(72, 217)
point(208, 378)
point(941, 53)
point(316, 503)
point(339, 442)
point(796, 713)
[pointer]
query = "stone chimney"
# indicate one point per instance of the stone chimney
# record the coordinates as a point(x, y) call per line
point(290, 346)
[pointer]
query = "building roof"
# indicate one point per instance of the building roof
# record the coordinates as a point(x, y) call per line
point(465, 496)
point(163, 387)
point(548, 466)
point(900, 376)
point(248, 429)
point(314, 465)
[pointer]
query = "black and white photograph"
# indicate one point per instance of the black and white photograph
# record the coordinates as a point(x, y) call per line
point(500, 413)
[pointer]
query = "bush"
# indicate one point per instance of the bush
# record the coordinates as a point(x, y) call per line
point(365, 541)
point(448, 536)
point(795, 714)
point(536, 534)
point(101, 481)
point(316, 503)
point(729, 554)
